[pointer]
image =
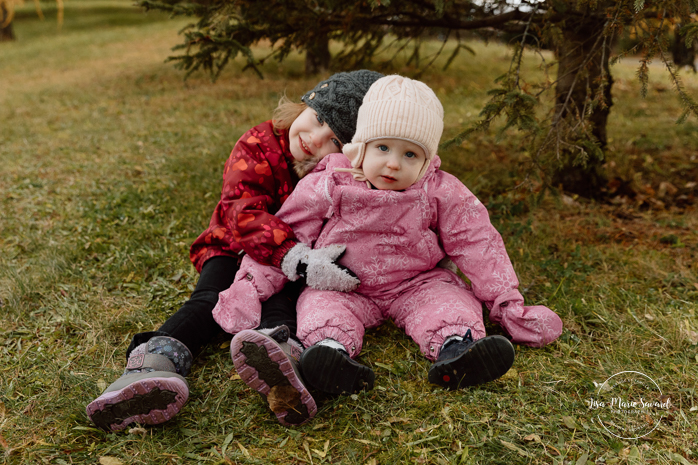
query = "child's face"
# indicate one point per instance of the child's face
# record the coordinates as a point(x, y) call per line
point(310, 137)
point(393, 164)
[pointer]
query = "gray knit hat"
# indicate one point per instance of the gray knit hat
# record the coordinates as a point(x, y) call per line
point(338, 98)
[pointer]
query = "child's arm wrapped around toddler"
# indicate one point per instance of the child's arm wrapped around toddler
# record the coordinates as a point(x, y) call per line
point(473, 243)
point(239, 307)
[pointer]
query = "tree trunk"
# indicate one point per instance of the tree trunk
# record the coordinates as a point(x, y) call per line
point(584, 79)
point(317, 56)
point(6, 32)
point(682, 54)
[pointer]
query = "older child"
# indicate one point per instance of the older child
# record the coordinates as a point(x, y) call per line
point(398, 215)
point(257, 179)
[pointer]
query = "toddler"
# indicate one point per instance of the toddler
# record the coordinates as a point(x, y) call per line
point(399, 216)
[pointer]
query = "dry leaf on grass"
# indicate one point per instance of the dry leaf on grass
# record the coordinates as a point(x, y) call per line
point(691, 336)
point(106, 460)
point(569, 422)
point(532, 437)
point(101, 385)
point(514, 447)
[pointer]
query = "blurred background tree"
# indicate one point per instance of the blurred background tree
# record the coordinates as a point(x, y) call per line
point(7, 14)
point(567, 139)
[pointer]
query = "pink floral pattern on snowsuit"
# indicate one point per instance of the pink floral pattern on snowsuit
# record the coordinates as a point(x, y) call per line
point(394, 242)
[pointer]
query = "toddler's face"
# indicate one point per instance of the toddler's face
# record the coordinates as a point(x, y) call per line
point(310, 137)
point(393, 164)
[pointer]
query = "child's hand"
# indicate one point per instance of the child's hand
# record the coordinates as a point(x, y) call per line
point(534, 326)
point(320, 268)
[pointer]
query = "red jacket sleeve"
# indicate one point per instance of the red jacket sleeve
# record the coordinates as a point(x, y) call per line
point(257, 179)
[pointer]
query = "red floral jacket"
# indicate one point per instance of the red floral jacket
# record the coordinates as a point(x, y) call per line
point(257, 179)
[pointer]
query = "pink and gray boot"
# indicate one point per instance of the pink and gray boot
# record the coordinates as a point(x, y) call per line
point(267, 361)
point(151, 390)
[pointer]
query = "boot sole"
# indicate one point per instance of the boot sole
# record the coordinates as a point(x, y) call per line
point(487, 359)
point(263, 365)
point(327, 370)
point(149, 398)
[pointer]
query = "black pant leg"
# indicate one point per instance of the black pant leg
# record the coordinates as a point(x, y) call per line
point(193, 324)
point(280, 309)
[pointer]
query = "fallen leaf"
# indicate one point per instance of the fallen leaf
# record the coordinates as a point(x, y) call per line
point(666, 188)
point(101, 385)
point(692, 336)
point(513, 447)
point(532, 437)
point(364, 441)
point(679, 459)
point(138, 430)
point(322, 453)
point(3, 443)
point(583, 459)
point(649, 317)
point(567, 200)
point(106, 460)
point(244, 451)
point(306, 446)
point(2, 410)
point(569, 422)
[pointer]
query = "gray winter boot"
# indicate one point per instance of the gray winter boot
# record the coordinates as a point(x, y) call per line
point(152, 389)
point(267, 361)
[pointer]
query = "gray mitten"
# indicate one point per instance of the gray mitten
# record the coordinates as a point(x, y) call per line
point(320, 268)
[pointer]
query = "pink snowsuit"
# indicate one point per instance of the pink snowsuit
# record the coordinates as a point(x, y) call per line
point(394, 241)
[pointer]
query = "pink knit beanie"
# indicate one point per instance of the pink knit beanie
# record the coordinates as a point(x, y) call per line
point(397, 107)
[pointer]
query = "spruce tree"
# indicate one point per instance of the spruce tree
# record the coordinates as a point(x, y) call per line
point(567, 144)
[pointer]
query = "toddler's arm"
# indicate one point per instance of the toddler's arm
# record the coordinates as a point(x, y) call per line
point(477, 248)
point(240, 306)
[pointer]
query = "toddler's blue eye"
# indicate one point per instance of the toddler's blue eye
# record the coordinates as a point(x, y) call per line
point(383, 148)
point(337, 143)
point(320, 120)
point(411, 155)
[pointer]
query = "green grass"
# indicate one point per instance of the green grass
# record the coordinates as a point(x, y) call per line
point(111, 166)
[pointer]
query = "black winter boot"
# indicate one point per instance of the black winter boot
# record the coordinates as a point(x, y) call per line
point(332, 371)
point(469, 363)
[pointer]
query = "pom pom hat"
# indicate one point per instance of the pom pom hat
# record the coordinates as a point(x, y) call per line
point(396, 107)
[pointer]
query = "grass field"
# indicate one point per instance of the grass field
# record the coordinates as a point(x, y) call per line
point(111, 166)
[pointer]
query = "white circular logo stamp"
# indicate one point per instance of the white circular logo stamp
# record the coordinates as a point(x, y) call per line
point(629, 405)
